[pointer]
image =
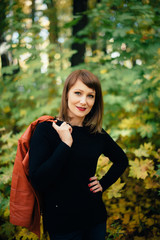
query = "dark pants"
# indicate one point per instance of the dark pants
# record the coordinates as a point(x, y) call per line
point(97, 232)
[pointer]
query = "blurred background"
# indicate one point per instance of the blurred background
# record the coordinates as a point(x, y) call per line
point(41, 42)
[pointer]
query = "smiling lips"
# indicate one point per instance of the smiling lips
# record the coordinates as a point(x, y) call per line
point(81, 108)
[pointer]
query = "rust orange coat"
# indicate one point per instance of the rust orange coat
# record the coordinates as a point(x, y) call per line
point(24, 201)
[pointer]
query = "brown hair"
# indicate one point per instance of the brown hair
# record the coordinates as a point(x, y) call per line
point(94, 118)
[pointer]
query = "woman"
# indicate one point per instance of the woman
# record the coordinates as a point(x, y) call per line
point(63, 160)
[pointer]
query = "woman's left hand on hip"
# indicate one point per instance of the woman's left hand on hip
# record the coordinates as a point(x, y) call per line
point(95, 185)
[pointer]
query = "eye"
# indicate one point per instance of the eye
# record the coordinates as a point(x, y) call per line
point(78, 93)
point(91, 96)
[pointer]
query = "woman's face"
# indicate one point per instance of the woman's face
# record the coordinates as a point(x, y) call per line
point(80, 100)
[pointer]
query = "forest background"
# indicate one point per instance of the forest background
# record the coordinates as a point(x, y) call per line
point(41, 42)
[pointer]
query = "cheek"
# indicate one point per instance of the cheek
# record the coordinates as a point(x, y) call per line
point(91, 103)
point(71, 99)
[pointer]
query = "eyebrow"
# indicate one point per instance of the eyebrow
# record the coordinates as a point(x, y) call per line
point(83, 91)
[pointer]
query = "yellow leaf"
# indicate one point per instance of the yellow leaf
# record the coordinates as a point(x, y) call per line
point(126, 218)
point(131, 31)
point(103, 71)
point(128, 123)
point(103, 166)
point(115, 189)
point(147, 76)
point(2, 129)
point(151, 184)
point(158, 51)
point(22, 112)
point(131, 226)
point(6, 212)
point(144, 150)
point(31, 97)
point(148, 146)
point(6, 137)
point(57, 56)
point(7, 109)
point(116, 216)
point(24, 234)
point(141, 152)
point(141, 168)
point(150, 221)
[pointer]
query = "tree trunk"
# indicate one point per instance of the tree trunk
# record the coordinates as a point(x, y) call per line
point(4, 24)
point(33, 10)
point(78, 8)
point(52, 15)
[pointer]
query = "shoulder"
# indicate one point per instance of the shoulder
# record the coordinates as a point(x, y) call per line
point(43, 126)
point(45, 129)
point(104, 133)
point(106, 136)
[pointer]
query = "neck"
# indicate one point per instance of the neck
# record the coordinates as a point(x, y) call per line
point(76, 122)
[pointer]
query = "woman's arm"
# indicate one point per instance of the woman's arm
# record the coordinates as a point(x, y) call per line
point(119, 159)
point(44, 164)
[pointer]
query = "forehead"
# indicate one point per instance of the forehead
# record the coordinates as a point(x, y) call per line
point(81, 86)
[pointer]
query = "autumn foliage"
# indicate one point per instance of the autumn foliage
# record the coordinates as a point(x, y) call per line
point(123, 49)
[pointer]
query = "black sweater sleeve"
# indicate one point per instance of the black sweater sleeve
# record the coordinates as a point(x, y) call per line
point(46, 163)
point(119, 159)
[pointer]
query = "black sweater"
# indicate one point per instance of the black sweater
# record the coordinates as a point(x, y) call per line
point(61, 174)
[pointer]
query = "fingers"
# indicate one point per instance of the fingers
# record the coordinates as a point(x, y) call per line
point(64, 125)
point(64, 131)
point(55, 126)
point(95, 185)
point(93, 178)
point(96, 188)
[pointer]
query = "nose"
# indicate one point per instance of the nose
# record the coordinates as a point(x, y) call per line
point(83, 101)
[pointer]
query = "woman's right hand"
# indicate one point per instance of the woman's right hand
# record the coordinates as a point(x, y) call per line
point(64, 131)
